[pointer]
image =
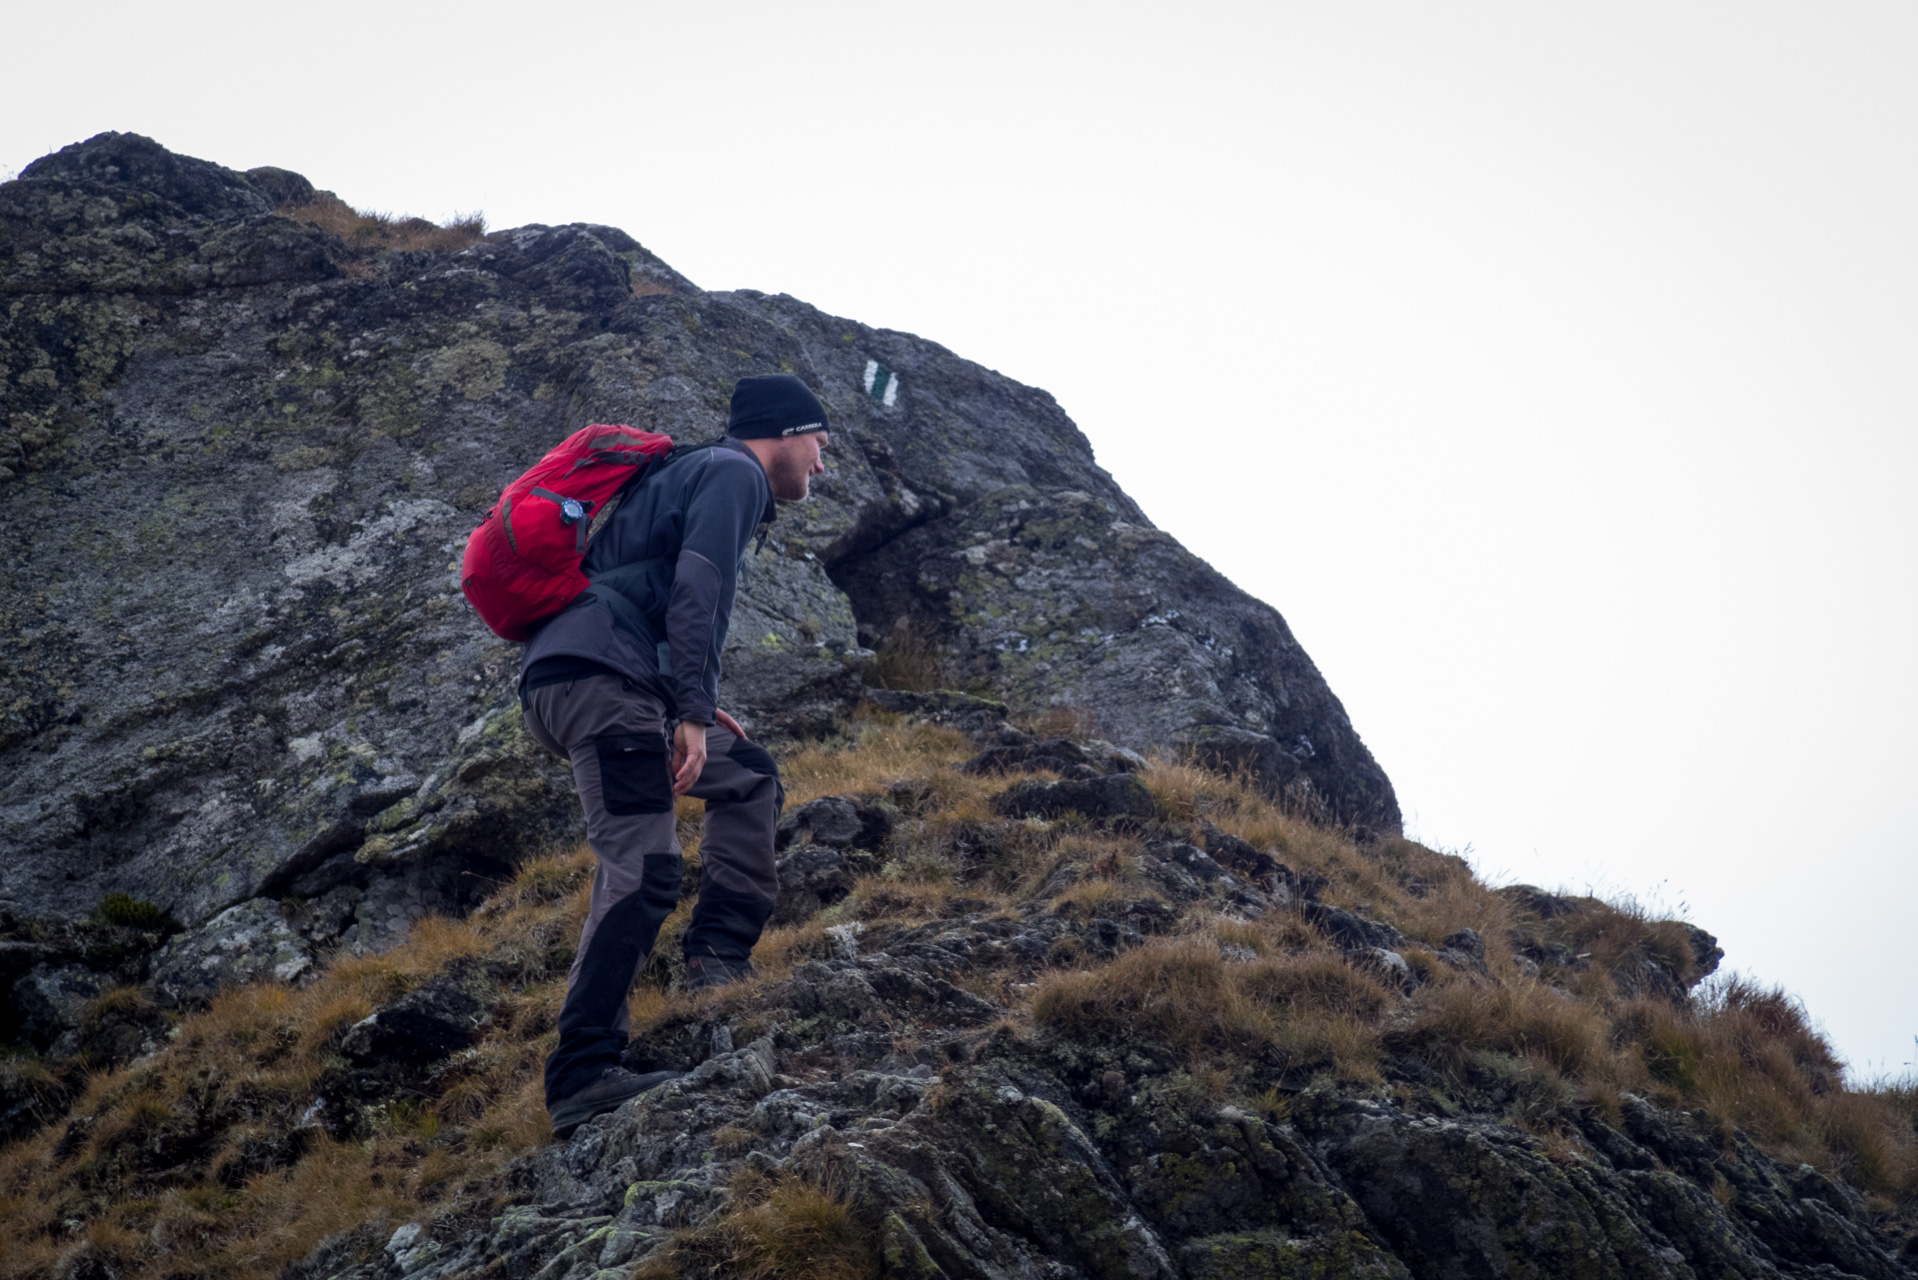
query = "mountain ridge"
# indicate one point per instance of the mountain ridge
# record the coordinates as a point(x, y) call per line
point(1100, 951)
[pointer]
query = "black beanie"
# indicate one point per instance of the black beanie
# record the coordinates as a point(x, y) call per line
point(774, 404)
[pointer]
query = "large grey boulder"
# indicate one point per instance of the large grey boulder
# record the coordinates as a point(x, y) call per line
point(839, 822)
point(49, 1001)
point(240, 459)
point(1116, 796)
point(812, 876)
point(423, 1025)
point(245, 943)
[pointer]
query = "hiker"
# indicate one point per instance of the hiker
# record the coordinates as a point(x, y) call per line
point(625, 683)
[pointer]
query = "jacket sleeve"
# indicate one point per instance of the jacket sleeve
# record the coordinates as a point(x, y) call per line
point(724, 503)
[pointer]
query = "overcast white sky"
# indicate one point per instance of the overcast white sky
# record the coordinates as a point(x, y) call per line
point(1549, 367)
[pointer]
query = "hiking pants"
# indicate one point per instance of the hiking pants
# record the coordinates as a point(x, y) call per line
point(616, 737)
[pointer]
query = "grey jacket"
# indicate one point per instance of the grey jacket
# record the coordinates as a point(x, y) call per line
point(674, 549)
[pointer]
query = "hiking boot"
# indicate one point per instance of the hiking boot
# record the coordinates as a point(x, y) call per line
point(703, 973)
point(605, 1094)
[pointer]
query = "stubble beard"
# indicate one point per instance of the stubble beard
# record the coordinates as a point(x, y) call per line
point(790, 477)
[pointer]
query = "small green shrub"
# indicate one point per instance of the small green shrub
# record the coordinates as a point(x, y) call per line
point(130, 912)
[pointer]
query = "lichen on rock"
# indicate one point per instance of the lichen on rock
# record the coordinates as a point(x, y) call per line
point(223, 680)
point(1099, 952)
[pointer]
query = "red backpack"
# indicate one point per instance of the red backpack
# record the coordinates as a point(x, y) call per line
point(522, 563)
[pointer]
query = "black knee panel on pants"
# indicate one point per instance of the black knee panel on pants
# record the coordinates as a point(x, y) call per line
point(726, 923)
point(588, 1043)
point(760, 761)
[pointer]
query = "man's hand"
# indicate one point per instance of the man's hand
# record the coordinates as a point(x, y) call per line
point(689, 755)
point(730, 725)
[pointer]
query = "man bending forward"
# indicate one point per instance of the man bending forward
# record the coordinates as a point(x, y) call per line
point(625, 683)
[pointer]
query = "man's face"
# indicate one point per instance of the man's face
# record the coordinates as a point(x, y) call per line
point(795, 462)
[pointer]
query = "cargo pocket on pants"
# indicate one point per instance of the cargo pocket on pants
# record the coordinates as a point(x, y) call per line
point(633, 774)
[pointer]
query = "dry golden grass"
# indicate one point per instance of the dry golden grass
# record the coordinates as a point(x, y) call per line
point(911, 659)
point(167, 1168)
point(1746, 1055)
point(1089, 899)
point(1743, 1056)
point(1234, 932)
point(1188, 794)
point(1525, 1019)
point(781, 950)
point(1104, 864)
point(776, 1229)
point(164, 1171)
point(1619, 934)
point(365, 230)
point(885, 750)
point(1300, 1013)
point(1319, 981)
point(25, 1076)
point(876, 898)
point(1869, 1135)
point(1175, 992)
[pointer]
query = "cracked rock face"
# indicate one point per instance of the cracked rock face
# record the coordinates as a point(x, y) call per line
point(240, 465)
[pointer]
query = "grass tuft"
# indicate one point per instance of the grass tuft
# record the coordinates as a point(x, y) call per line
point(1523, 1019)
point(909, 659)
point(777, 1229)
point(362, 228)
point(130, 912)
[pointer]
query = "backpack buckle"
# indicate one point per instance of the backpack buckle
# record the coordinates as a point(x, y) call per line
point(571, 510)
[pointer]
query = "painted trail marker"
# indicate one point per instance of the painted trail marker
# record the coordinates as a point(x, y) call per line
point(882, 384)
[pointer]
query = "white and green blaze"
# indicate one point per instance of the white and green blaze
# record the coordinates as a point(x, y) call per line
point(882, 384)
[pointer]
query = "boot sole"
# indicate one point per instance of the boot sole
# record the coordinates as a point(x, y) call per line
point(715, 983)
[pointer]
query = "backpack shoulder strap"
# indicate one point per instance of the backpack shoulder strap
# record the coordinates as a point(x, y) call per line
point(657, 465)
point(679, 451)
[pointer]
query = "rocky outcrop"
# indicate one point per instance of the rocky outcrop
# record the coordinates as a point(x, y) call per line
point(1115, 797)
point(970, 1150)
point(1078, 762)
point(244, 943)
point(56, 968)
point(1039, 1013)
point(241, 456)
point(840, 822)
point(912, 1073)
point(421, 1026)
point(824, 846)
